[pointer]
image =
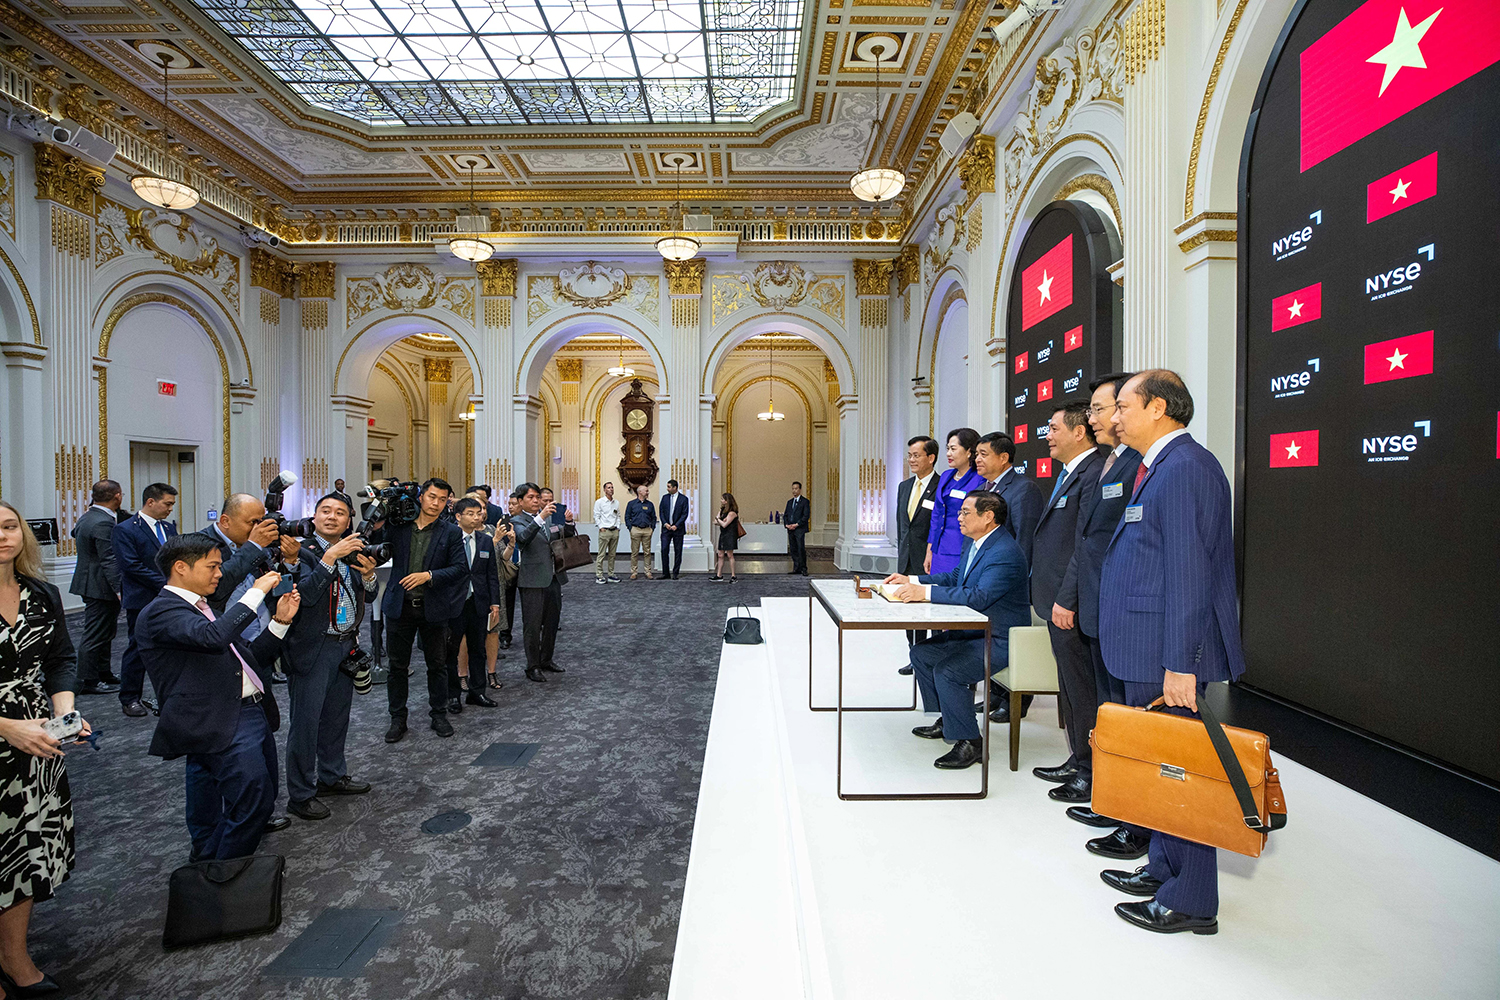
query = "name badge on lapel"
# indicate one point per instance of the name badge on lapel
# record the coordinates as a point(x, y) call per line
point(484, 555)
point(957, 494)
point(1133, 513)
point(1113, 491)
point(927, 504)
point(1061, 503)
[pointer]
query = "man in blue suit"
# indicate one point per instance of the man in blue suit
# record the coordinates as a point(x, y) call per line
point(991, 579)
point(137, 539)
point(1169, 619)
point(479, 608)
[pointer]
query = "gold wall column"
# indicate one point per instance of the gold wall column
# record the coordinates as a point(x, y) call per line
point(270, 282)
point(494, 421)
point(684, 450)
point(316, 304)
point(872, 283)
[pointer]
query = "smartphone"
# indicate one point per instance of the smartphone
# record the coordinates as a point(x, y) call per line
point(64, 726)
point(284, 587)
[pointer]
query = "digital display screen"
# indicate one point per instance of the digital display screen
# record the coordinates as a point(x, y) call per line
point(1063, 325)
point(1370, 363)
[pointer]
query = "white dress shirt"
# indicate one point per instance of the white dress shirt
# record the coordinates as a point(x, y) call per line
point(606, 513)
point(252, 599)
point(1161, 443)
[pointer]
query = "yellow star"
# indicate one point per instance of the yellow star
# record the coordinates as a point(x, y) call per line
point(1293, 449)
point(1398, 360)
point(1045, 288)
point(1295, 309)
point(1404, 50)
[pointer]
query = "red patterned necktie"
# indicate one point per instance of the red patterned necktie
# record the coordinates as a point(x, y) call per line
point(1140, 476)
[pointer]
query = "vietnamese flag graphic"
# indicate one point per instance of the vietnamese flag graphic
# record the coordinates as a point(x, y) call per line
point(1404, 357)
point(1073, 339)
point(1020, 437)
point(1023, 361)
point(1385, 59)
point(1294, 308)
point(1047, 285)
point(1044, 468)
point(1298, 449)
point(1412, 183)
point(1044, 390)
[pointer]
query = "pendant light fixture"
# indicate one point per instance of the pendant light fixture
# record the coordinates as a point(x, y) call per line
point(770, 411)
point(621, 370)
point(468, 245)
point(677, 245)
point(877, 183)
point(157, 189)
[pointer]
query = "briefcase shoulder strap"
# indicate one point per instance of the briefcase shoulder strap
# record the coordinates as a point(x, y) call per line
point(1236, 774)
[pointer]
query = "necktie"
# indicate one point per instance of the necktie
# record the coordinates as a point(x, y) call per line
point(1140, 474)
point(969, 562)
point(914, 499)
point(161, 533)
point(469, 559)
point(1056, 490)
point(208, 613)
point(1107, 463)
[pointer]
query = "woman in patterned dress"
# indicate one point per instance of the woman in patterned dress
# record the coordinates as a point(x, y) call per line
point(944, 541)
point(36, 813)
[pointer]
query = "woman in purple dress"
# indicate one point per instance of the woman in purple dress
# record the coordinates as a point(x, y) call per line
point(944, 541)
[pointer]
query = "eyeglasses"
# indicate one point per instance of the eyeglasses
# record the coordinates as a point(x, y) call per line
point(1099, 411)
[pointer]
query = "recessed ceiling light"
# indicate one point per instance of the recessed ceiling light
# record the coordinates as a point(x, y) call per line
point(581, 5)
point(337, 8)
point(659, 4)
point(455, 61)
point(524, 59)
point(382, 61)
point(670, 57)
point(497, 6)
point(597, 57)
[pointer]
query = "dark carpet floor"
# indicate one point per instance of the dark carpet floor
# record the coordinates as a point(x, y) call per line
point(566, 884)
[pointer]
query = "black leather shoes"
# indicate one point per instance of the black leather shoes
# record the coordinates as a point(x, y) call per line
point(1154, 917)
point(397, 730)
point(1122, 844)
point(1087, 816)
point(455, 706)
point(932, 732)
point(106, 678)
point(41, 988)
point(134, 709)
point(99, 687)
point(964, 754)
point(441, 725)
point(1002, 714)
point(1078, 789)
point(475, 698)
point(344, 786)
point(311, 809)
point(533, 674)
point(1061, 774)
point(1136, 883)
point(277, 823)
point(904, 671)
point(552, 668)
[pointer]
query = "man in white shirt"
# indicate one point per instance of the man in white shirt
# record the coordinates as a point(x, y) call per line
point(607, 520)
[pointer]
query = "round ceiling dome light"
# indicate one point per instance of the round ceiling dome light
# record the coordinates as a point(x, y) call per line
point(670, 57)
point(382, 62)
point(524, 59)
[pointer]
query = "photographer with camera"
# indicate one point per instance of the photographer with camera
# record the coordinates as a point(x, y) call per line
point(538, 581)
point(336, 578)
point(427, 567)
point(248, 544)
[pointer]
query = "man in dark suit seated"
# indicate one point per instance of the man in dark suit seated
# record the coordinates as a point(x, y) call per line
point(914, 499)
point(216, 702)
point(137, 540)
point(96, 579)
point(991, 579)
point(479, 610)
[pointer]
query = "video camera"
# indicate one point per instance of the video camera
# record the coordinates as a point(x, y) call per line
point(391, 501)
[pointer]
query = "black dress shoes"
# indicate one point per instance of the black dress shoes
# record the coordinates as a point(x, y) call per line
point(1087, 816)
point(99, 687)
point(904, 671)
point(107, 678)
point(134, 709)
point(455, 706)
point(1154, 917)
point(1061, 774)
point(344, 786)
point(311, 809)
point(277, 823)
point(552, 668)
point(397, 730)
point(41, 988)
point(441, 725)
point(1122, 844)
point(1002, 714)
point(1078, 789)
point(964, 754)
point(476, 698)
point(534, 674)
point(932, 732)
point(1136, 883)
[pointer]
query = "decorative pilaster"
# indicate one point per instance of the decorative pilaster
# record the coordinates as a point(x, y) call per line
point(25, 444)
point(1149, 173)
point(316, 381)
point(494, 423)
point(270, 281)
point(685, 280)
point(872, 283)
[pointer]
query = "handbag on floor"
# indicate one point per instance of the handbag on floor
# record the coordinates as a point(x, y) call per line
point(1191, 778)
point(219, 900)
point(744, 631)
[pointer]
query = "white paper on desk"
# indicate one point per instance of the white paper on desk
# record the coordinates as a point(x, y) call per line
point(887, 590)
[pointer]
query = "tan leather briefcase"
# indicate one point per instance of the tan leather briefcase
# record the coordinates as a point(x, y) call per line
point(1191, 778)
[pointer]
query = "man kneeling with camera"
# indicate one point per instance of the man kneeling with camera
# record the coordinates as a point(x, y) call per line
point(336, 579)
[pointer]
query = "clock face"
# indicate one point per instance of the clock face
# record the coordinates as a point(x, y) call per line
point(635, 419)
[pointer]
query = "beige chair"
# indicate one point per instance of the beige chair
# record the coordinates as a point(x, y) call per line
point(1032, 670)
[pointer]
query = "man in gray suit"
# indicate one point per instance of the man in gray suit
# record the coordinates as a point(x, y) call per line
point(540, 587)
point(96, 579)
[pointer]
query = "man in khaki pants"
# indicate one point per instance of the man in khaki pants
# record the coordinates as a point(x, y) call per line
point(640, 518)
point(607, 520)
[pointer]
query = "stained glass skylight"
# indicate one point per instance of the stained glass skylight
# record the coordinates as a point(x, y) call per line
point(520, 62)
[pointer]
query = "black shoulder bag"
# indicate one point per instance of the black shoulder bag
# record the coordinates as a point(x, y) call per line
point(743, 631)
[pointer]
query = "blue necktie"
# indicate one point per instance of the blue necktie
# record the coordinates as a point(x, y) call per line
point(1059, 487)
point(161, 534)
point(969, 562)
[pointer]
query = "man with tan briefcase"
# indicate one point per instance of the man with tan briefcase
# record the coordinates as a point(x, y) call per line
point(1169, 620)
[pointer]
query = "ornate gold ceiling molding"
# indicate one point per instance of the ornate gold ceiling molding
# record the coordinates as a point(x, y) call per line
point(36, 327)
point(1189, 198)
point(1100, 184)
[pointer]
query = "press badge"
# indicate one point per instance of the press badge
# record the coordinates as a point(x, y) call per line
point(1061, 503)
point(1133, 513)
point(957, 494)
point(1113, 491)
point(341, 617)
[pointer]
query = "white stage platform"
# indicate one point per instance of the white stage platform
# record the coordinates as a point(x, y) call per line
point(793, 893)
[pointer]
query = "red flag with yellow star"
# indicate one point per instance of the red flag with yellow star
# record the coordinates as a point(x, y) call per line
point(1404, 357)
point(1047, 285)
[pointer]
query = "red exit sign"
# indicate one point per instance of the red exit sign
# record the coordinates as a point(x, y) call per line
point(166, 388)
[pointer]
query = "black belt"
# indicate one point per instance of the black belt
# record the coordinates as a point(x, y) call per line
point(252, 699)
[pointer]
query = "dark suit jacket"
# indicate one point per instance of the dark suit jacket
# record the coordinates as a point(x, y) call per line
point(95, 575)
point(135, 555)
point(1056, 532)
point(534, 542)
point(318, 587)
point(995, 586)
point(196, 675)
point(1098, 515)
point(445, 561)
point(59, 660)
point(484, 574)
point(236, 567)
point(676, 513)
point(1023, 506)
point(911, 534)
point(1167, 597)
point(798, 511)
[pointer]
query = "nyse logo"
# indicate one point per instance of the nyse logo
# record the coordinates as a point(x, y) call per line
point(1020, 400)
point(1042, 430)
point(1297, 241)
point(1043, 353)
point(1295, 384)
point(1395, 447)
point(1072, 384)
point(1398, 279)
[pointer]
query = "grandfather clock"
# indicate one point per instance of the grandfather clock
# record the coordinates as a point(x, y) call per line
point(637, 415)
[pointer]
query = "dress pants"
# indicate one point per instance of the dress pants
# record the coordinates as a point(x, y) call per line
point(510, 609)
point(604, 562)
point(1189, 872)
point(1107, 687)
point(1075, 678)
point(400, 632)
point(101, 619)
point(468, 624)
point(947, 665)
point(671, 541)
point(796, 547)
point(320, 695)
point(640, 545)
point(541, 608)
point(230, 794)
point(132, 670)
